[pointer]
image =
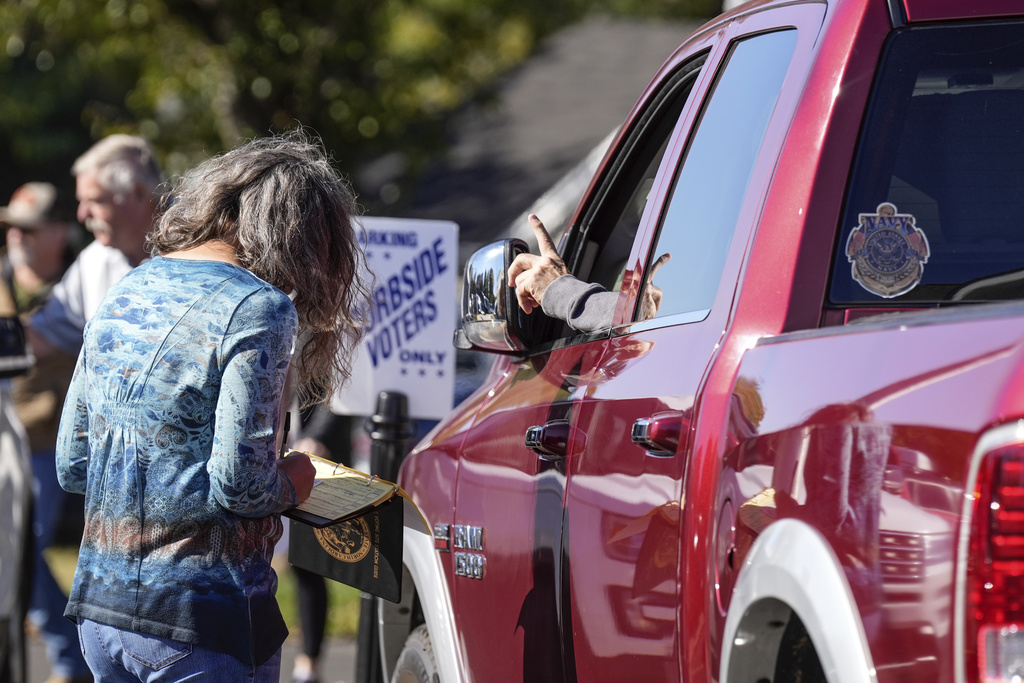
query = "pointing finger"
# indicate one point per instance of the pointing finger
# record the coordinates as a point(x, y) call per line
point(544, 243)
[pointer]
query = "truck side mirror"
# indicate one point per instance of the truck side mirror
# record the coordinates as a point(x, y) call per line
point(491, 319)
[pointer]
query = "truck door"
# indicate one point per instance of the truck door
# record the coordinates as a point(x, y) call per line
point(510, 496)
point(624, 490)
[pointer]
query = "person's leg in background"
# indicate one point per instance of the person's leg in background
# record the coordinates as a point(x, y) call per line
point(312, 591)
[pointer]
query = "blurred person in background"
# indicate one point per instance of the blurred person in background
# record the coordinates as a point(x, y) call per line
point(117, 183)
point(42, 241)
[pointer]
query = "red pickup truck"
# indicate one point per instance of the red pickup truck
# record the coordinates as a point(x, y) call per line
point(808, 463)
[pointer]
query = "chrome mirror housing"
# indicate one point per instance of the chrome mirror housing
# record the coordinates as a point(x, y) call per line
point(490, 313)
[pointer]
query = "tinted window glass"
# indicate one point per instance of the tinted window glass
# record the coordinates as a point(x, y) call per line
point(709, 189)
point(935, 205)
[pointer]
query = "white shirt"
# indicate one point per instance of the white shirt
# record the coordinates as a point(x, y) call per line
point(74, 300)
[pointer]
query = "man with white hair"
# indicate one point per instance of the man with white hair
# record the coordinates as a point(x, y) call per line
point(117, 184)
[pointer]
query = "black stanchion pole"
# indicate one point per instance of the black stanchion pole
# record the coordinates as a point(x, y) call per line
point(390, 430)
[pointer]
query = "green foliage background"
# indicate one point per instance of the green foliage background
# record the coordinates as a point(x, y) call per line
point(196, 77)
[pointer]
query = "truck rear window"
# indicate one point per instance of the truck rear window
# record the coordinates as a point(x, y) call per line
point(935, 207)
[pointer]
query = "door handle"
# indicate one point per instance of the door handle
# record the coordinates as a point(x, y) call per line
point(551, 439)
point(660, 433)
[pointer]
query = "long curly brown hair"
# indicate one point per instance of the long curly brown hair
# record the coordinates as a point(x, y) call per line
point(290, 217)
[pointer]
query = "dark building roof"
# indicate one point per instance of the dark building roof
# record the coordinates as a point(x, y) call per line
point(544, 120)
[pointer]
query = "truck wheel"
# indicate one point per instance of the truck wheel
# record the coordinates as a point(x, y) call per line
point(416, 661)
point(798, 661)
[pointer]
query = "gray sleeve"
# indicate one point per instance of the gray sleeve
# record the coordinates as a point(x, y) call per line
point(585, 306)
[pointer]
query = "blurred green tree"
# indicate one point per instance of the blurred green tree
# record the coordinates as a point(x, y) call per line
point(197, 76)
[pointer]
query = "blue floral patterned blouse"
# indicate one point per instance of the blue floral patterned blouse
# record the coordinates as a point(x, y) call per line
point(169, 429)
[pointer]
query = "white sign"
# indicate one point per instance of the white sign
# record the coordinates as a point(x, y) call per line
point(408, 347)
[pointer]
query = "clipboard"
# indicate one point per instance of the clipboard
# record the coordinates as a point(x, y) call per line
point(340, 493)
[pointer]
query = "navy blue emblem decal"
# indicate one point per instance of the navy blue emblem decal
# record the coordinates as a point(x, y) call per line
point(887, 252)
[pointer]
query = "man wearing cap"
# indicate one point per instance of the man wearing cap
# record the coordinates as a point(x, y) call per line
point(42, 241)
point(116, 183)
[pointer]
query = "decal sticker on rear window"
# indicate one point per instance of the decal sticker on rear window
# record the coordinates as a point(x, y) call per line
point(887, 252)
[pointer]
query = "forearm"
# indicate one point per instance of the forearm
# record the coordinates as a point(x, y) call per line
point(244, 476)
point(586, 307)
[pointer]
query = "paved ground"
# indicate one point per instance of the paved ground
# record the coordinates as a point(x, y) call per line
point(339, 662)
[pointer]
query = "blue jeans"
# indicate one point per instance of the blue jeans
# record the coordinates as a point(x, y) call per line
point(117, 655)
point(47, 602)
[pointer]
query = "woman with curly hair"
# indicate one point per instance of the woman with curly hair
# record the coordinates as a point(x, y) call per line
point(172, 425)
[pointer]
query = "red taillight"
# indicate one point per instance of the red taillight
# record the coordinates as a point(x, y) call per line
point(995, 570)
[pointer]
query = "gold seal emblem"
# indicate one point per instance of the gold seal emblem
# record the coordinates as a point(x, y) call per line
point(347, 541)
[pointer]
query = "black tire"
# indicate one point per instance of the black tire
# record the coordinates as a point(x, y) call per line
point(798, 661)
point(416, 661)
